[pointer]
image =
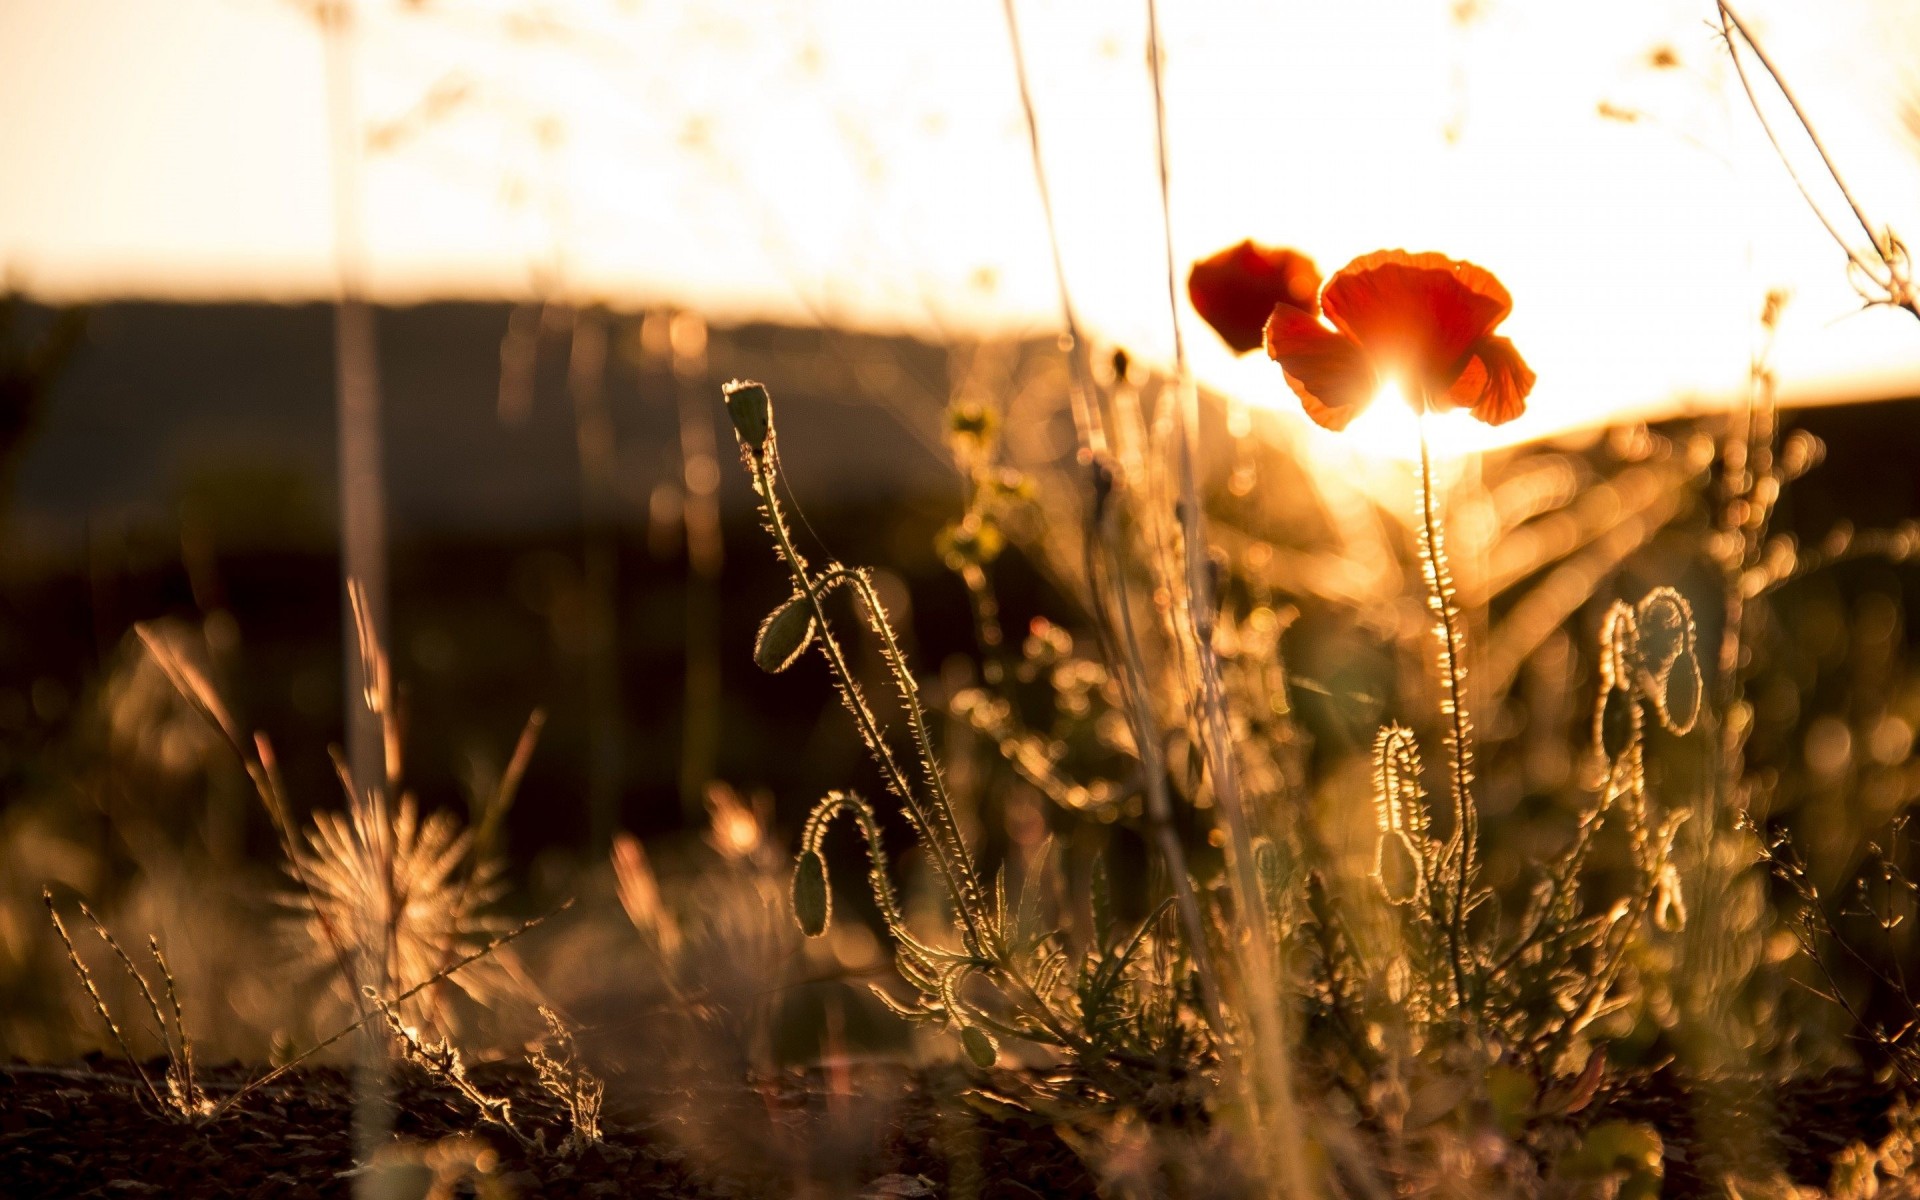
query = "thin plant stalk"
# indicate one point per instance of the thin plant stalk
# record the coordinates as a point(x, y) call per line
point(1458, 854)
point(1086, 412)
point(950, 854)
point(600, 570)
point(1125, 650)
point(1101, 537)
point(706, 557)
point(361, 477)
point(190, 1088)
point(1263, 985)
point(1889, 272)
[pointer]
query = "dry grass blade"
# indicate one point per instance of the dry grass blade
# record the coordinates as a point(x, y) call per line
point(100, 1004)
point(256, 756)
point(1889, 270)
point(183, 1075)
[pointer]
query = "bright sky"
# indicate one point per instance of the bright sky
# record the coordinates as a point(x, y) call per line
point(864, 161)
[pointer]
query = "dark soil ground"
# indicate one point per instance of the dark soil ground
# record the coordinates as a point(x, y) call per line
point(81, 1130)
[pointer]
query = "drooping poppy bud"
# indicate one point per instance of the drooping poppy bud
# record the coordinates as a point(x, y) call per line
point(812, 903)
point(784, 635)
point(752, 412)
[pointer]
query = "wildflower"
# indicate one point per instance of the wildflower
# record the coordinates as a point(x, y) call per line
point(1236, 290)
point(1422, 319)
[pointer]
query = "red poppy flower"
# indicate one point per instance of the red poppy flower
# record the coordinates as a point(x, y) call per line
point(1423, 319)
point(1236, 289)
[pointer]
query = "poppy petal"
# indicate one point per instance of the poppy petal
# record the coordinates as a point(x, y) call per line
point(1327, 370)
point(1418, 314)
point(1237, 288)
point(1495, 383)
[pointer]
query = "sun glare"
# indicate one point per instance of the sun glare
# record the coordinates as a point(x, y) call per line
point(1389, 428)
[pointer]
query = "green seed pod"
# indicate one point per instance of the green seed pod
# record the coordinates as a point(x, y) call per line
point(752, 412)
point(979, 1046)
point(812, 902)
point(1618, 723)
point(784, 635)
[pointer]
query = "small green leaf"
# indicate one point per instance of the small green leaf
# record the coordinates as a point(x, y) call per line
point(979, 1046)
point(752, 412)
point(784, 635)
point(812, 903)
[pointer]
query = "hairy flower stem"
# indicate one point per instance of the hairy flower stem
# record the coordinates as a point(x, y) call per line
point(1458, 855)
point(950, 853)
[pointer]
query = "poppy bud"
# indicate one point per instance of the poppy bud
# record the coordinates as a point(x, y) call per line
point(1617, 723)
point(786, 632)
point(1664, 624)
point(979, 1046)
point(812, 904)
point(752, 412)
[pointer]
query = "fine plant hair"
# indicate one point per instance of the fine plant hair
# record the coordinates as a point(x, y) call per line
point(182, 1098)
point(1089, 1006)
